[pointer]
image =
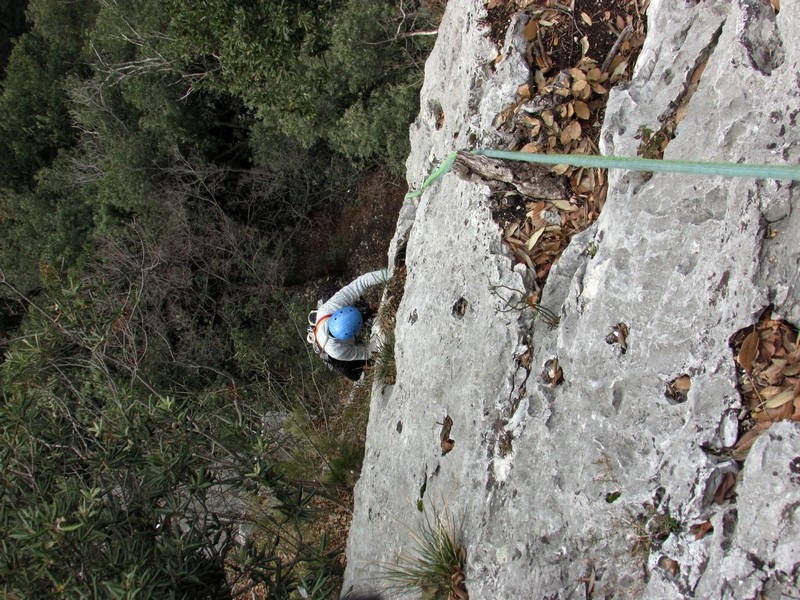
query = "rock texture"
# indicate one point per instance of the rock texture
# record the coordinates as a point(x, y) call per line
point(602, 474)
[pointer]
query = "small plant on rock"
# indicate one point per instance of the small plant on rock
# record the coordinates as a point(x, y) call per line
point(651, 529)
point(385, 369)
point(436, 565)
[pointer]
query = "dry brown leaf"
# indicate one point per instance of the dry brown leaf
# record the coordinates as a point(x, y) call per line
point(584, 45)
point(698, 72)
point(533, 239)
point(725, 487)
point(702, 529)
point(585, 185)
point(595, 75)
point(563, 205)
point(792, 370)
point(576, 176)
point(772, 415)
point(770, 391)
point(530, 147)
point(511, 229)
point(586, 19)
point(619, 335)
point(773, 374)
point(458, 591)
point(447, 426)
point(767, 349)
point(574, 130)
point(543, 62)
point(669, 565)
point(747, 352)
point(582, 110)
point(560, 169)
point(600, 196)
point(620, 22)
point(683, 383)
point(578, 86)
point(794, 355)
point(524, 91)
point(620, 69)
point(523, 258)
point(534, 209)
point(616, 62)
point(780, 399)
point(742, 447)
point(447, 444)
point(577, 74)
point(531, 29)
point(789, 340)
point(553, 374)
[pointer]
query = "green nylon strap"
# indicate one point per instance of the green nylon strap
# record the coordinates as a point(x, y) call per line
point(790, 172)
point(443, 168)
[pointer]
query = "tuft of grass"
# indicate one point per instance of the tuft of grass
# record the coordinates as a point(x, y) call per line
point(437, 563)
point(651, 529)
point(384, 367)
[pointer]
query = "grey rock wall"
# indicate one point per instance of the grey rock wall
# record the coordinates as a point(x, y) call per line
point(602, 473)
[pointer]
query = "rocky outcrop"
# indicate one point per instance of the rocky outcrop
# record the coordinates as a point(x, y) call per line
point(602, 479)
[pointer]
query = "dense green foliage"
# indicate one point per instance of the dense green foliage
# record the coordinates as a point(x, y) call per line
point(158, 165)
point(12, 25)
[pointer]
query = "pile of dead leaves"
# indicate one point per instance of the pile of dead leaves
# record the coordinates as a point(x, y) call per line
point(577, 50)
point(768, 356)
point(539, 238)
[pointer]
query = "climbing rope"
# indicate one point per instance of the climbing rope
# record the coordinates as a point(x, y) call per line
point(791, 172)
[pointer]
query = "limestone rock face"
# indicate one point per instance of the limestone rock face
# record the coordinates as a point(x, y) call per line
point(601, 473)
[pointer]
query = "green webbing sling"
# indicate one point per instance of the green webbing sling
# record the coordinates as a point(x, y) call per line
point(791, 172)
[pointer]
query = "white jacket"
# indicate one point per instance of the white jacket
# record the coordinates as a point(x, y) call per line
point(347, 296)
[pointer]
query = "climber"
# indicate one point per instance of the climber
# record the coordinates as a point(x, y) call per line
point(334, 327)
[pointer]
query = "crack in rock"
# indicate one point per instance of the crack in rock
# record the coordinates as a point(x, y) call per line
point(761, 37)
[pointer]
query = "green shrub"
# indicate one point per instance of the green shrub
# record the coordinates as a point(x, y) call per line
point(378, 129)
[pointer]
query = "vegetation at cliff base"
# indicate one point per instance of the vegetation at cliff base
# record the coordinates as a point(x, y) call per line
point(160, 166)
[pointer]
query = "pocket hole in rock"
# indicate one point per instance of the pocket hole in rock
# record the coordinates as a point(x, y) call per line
point(460, 308)
point(677, 390)
point(438, 115)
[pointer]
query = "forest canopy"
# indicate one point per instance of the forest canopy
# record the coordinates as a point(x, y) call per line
point(159, 163)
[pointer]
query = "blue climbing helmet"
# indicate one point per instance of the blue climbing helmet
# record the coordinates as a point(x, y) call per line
point(345, 323)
